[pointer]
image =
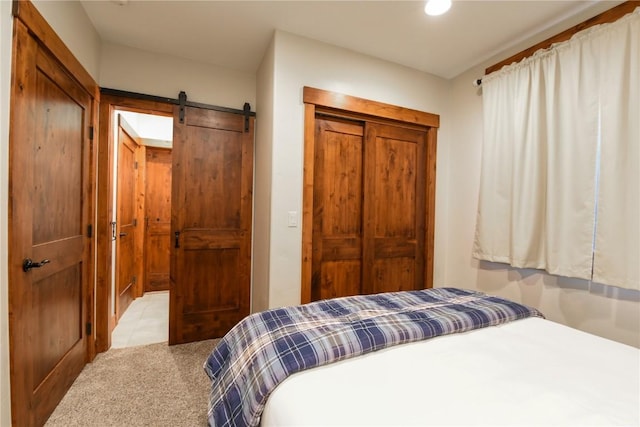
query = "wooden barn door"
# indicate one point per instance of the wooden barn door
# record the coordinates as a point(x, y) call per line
point(210, 223)
point(126, 221)
point(50, 209)
point(157, 219)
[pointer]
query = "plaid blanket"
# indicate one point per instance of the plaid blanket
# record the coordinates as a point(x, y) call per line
point(264, 348)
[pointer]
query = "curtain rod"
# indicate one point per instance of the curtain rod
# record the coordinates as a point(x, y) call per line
point(610, 15)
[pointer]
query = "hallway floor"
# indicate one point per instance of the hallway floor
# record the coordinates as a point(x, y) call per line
point(146, 321)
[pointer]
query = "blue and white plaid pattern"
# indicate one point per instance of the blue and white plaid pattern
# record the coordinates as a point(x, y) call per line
point(264, 348)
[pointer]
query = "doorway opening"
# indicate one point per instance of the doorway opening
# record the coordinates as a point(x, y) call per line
point(211, 216)
point(141, 224)
point(130, 130)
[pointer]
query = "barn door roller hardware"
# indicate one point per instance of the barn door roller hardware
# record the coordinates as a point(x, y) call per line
point(182, 99)
point(182, 103)
point(247, 114)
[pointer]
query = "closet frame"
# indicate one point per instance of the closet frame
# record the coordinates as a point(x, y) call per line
point(322, 102)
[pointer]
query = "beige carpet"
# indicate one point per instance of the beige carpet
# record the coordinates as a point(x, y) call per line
point(152, 385)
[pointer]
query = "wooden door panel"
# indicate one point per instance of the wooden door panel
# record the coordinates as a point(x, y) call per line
point(56, 213)
point(49, 213)
point(395, 212)
point(337, 226)
point(211, 271)
point(60, 316)
point(62, 254)
point(340, 279)
point(157, 258)
point(394, 187)
point(213, 159)
point(393, 274)
point(212, 177)
point(126, 217)
point(158, 219)
point(126, 267)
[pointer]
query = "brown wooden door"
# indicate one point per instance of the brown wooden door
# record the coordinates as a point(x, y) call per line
point(394, 209)
point(210, 223)
point(49, 214)
point(157, 219)
point(369, 208)
point(126, 222)
point(337, 204)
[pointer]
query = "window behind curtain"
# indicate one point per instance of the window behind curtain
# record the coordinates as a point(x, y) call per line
point(560, 184)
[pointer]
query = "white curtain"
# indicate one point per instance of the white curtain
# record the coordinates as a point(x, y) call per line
point(543, 119)
point(617, 257)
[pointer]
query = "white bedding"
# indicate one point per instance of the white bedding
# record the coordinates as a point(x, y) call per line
point(528, 372)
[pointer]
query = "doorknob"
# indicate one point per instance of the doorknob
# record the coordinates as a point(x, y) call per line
point(123, 234)
point(28, 264)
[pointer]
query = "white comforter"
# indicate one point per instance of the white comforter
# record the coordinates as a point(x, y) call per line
point(528, 372)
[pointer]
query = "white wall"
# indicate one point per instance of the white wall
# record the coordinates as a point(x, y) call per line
point(303, 62)
point(134, 70)
point(72, 25)
point(262, 181)
point(5, 83)
point(149, 126)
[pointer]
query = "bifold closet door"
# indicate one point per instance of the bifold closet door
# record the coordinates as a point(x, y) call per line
point(369, 209)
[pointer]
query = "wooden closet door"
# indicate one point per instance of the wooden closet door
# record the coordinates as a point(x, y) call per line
point(337, 202)
point(368, 196)
point(394, 209)
point(369, 208)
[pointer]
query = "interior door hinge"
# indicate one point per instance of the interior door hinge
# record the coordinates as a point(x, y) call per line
point(90, 230)
point(91, 133)
point(88, 328)
point(135, 165)
point(135, 222)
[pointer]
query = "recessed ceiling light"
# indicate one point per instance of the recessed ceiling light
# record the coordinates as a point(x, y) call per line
point(437, 7)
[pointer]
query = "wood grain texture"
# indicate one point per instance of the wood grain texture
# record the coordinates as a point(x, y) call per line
point(50, 208)
point(394, 224)
point(367, 107)
point(126, 218)
point(140, 191)
point(157, 218)
point(368, 199)
point(212, 184)
point(307, 202)
point(608, 16)
point(337, 208)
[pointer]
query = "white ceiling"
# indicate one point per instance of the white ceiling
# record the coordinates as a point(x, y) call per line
point(235, 34)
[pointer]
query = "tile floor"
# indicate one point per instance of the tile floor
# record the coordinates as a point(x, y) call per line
point(146, 321)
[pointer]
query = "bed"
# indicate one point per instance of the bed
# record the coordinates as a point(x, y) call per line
point(444, 356)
